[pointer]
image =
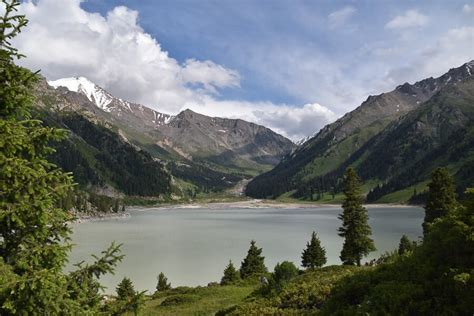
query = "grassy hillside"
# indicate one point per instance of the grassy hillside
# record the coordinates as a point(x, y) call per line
point(392, 155)
point(195, 301)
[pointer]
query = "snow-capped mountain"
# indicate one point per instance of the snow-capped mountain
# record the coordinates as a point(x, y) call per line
point(108, 103)
point(228, 142)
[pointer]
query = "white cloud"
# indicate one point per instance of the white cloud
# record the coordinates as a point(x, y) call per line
point(468, 9)
point(63, 40)
point(452, 49)
point(209, 75)
point(297, 123)
point(292, 122)
point(411, 18)
point(340, 17)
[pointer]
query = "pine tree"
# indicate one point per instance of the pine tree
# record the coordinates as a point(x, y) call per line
point(125, 290)
point(405, 245)
point(314, 256)
point(355, 228)
point(34, 234)
point(163, 284)
point(441, 197)
point(231, 275)
point(253, 263)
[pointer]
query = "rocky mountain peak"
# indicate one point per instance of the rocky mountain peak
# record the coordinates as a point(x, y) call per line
point(93, 92)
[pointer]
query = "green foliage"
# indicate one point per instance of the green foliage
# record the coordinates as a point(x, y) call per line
point(179, 299)
point(231, 275)
point(162, 284)
point(253, 263)
point(441, 197)
point(437, 276)
point(125, 289)
point(111, 160)
point(405, 245)
point(355, 228)
point(314, 256)
point(282, 274)
point(34, 233)
point(83, 284)
point(303, 294)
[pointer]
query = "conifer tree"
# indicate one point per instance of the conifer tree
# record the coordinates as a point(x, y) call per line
point(253, 262)
point(405, 245)
point(441, 197)
point(125, 290)
point(231, 275)
point(355, 228)
point(314, 256)
point(163, 284)
point(34, 235)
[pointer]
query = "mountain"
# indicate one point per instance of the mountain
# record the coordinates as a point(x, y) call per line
point(189, 153)
point(220, 143)
point(318, 164)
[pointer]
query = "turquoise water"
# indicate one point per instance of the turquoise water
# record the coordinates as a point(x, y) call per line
point(193, 245)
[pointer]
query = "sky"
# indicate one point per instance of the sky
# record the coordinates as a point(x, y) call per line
point(291, 65)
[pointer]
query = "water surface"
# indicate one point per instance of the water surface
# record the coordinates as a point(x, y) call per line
point(193, 245)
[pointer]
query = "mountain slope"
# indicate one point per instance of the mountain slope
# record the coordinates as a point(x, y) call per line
point(100, 159)
point(221, 144)
point(319, 162)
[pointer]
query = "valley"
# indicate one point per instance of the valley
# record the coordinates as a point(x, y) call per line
point(153, 167)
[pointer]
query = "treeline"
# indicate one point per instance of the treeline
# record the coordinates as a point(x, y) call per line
point(206, 179)
point(97, 156)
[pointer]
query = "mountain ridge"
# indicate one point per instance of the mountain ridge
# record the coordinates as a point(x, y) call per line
point(319, 159)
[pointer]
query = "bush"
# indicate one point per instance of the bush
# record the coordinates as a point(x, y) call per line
point(179, 299)
point(283, 273)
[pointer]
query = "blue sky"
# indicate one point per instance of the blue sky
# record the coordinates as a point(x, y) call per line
point(291, 65)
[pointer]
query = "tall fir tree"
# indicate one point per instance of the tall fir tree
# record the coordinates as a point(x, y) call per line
point(355, 228)
point(441, 197)
point(231, 275)
point(314, 256)
point(34, 233)
point(253, 262)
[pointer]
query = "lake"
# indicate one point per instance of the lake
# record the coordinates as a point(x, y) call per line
point(191, 246)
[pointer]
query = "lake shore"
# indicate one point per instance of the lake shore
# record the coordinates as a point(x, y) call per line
point(255, 204)
point(247, 204)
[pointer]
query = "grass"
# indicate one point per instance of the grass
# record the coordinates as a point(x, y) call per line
point(338, 153)
point(327, 198)
point(402, 196)
point(196, 301)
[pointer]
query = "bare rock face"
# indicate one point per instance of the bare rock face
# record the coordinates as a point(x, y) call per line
point(193, 136)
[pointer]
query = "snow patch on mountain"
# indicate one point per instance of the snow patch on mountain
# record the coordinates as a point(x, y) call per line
point(107, 102)
point(94, 93)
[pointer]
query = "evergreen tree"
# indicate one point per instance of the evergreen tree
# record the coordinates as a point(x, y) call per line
point(441, 197)
point(405, 245)
point(253, 263)
point(314, 256)
point(125, 290)
point(355, 228)
point(34, 235)
point(231, 275)
point(163, 284)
